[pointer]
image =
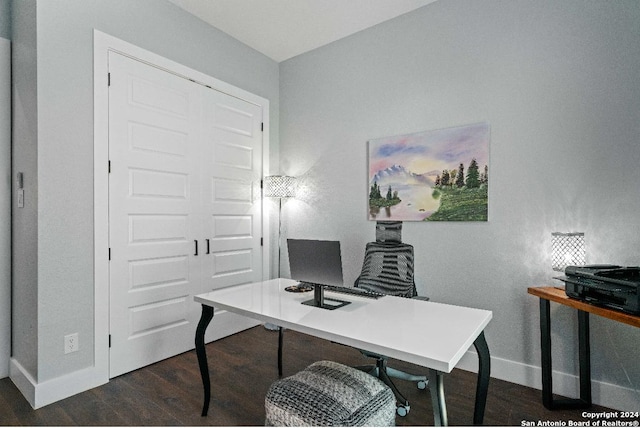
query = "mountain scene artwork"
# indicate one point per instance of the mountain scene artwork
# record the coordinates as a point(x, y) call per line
point(440, 175)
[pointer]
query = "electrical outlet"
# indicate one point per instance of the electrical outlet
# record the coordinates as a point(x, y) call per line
point(71, 343)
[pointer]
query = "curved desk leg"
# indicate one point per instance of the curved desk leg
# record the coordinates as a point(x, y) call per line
point(484, 372)
point(205, 319)
point(437, 398)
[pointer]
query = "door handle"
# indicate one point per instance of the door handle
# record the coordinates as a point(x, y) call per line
point(196, 242)
point(208, 249)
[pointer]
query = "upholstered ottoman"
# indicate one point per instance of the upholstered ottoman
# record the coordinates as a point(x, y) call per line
point(330, 394)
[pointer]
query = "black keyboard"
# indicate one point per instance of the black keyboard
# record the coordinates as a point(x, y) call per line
point(353, 291)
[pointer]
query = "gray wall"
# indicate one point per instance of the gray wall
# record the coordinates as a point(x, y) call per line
point(5, 19)
point(558, 84)
point(5, 187)
point(5, 206)
point(24, 244)
point(64, 221)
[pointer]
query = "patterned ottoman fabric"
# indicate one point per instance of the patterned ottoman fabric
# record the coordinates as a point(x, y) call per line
point(330, 394)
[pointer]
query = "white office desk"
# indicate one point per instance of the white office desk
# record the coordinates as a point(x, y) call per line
point(425, 333)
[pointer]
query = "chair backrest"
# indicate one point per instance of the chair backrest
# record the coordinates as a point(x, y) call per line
point(388, 263)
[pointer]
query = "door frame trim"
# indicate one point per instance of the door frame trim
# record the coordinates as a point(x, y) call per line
point(102, 45)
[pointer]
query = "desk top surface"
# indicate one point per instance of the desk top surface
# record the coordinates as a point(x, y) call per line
point(429, 334)
point(558, 295)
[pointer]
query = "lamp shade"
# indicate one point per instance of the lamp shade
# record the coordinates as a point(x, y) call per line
point(567, 249)
point(279, 186)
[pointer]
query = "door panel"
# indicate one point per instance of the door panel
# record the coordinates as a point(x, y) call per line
point(154, 124)
point(232, 204)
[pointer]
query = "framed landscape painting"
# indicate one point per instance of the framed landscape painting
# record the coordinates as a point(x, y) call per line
point(440, 175)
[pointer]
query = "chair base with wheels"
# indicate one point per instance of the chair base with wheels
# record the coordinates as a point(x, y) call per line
point(385, 373)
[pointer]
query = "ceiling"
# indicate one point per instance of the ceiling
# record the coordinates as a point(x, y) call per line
point(282, 29)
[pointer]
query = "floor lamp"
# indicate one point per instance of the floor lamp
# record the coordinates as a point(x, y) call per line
point(279, 186)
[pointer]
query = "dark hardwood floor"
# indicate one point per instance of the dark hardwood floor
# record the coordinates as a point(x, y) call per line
point(242, 368)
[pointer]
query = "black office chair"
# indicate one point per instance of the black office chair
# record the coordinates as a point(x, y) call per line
point(388, 269)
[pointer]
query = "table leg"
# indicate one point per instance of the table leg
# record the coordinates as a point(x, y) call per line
point(437, 398)
point(201, 352)
point(584, 355)
point(280, 351)
point(584, 358)
point(545, 353)
point(484, 372)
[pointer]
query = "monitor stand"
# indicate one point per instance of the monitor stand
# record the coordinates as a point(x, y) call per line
point(319, 301)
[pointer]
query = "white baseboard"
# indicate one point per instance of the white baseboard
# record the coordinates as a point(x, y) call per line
point(565, 384)
point(23, 380)
point(47, 392)
point(50, 391)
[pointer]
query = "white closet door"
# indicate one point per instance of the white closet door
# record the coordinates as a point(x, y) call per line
point(232, 205)
point(184, 208)
point(154, 209)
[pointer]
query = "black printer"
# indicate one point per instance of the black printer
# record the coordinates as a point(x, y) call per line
point(611, 286)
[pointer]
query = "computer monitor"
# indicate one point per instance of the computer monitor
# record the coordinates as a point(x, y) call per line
point(319, 264)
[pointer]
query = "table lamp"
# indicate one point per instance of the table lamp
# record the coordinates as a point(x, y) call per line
point(567, 249)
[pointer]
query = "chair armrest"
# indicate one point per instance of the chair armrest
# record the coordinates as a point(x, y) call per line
point(425, 298)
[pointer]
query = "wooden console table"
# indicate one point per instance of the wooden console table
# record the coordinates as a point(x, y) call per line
point(547, 295)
